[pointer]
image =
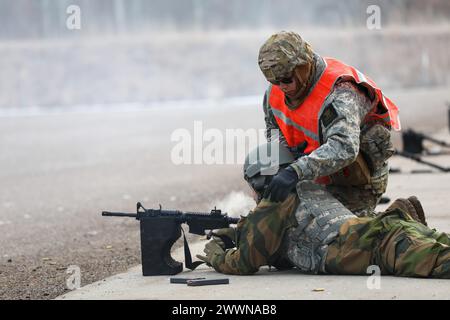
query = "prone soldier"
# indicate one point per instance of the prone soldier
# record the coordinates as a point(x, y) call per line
point(315, 233)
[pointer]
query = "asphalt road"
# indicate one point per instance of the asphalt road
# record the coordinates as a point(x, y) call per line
point(58, 172)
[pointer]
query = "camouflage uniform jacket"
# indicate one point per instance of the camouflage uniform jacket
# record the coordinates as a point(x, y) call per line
point(340, 140)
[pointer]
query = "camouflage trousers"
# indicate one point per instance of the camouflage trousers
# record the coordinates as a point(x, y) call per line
point(393, 241)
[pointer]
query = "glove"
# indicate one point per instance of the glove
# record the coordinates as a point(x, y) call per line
point(223, 235)
point(376, 144)
point(212, 249)
point(281, 185)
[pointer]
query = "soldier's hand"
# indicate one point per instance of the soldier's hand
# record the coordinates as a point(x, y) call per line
point(377, 145)
point(211, 250)
point(228, 233)
point(281, 185)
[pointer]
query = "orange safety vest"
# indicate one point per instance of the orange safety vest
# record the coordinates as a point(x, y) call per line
point(302, 124)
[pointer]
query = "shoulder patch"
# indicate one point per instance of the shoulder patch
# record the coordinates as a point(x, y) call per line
point(329, 115)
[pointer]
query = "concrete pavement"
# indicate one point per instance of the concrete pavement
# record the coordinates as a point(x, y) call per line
point(264, 285)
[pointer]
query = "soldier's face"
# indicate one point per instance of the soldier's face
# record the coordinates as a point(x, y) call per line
point(297, 82)
point(289, 86)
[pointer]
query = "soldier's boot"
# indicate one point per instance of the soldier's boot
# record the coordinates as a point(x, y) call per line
point(419, 209)
point(406, 206)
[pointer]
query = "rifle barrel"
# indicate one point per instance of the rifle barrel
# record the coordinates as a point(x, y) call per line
point(419, 159)
point(438, 142)
point(118, 214)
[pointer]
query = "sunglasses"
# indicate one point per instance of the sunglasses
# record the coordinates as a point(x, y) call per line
point(284, 80)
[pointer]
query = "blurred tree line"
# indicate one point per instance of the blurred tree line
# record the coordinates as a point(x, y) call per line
point(47, 18)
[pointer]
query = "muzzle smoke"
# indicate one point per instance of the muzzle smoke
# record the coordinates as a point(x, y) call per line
point(236, 204)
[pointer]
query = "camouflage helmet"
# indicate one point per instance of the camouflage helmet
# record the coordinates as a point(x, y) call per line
point(264, 161)
point(281, 53)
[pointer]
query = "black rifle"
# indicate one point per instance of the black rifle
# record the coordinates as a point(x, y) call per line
point(161, 228)
point(417, 158)
point(413, 141)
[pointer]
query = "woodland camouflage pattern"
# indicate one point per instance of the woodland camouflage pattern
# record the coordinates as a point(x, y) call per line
point(392, 240)
point(259, 236)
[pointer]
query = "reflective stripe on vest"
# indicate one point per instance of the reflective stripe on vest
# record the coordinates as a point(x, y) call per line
point(302, 124)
